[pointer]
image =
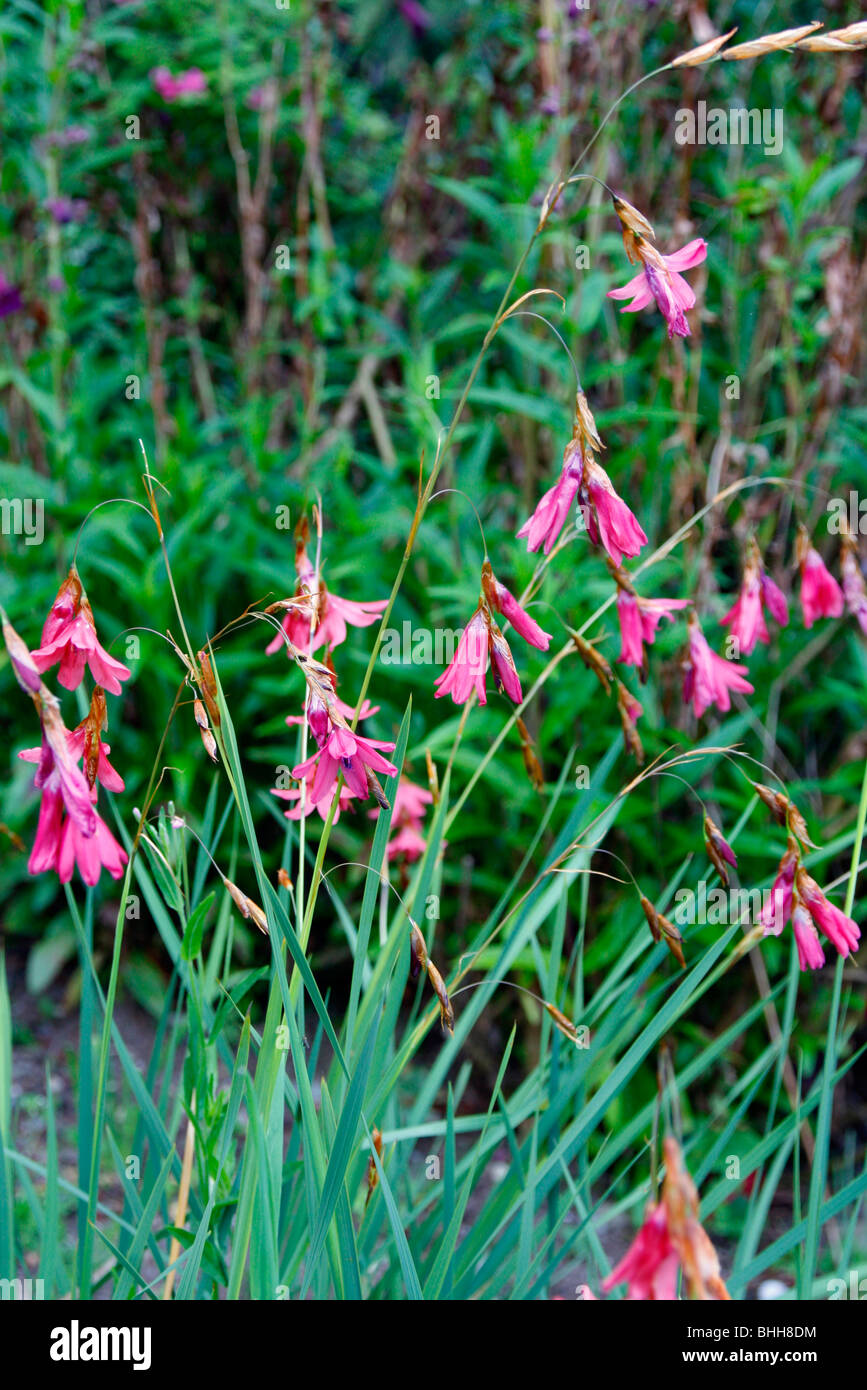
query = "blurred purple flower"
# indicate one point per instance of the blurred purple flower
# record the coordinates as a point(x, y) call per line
point(10, 298)
point(72, 135)
point(415, 15)
point(65, 210)
point(171, 86)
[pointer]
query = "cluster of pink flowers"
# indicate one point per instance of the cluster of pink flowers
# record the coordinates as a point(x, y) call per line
point(482, 639)
point(797, 897)
point(407, 844)
point(314, 617)
point(172, 86)
point(670, 1244)
point(70, 830)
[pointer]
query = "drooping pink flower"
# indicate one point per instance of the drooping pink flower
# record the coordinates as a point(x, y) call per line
point(70, 830)
point(639, 619)
point(91, 853)
point(337, 612)
point(854, 590)
point(615, 527)
point(810, 953)
point(840, 930)
point(350, 754)
point(107, 775)
point(502, 601)
point(671, 1239)
point(745, 618)
point(25, 670)
point(503, 667)
point(659, 280)
point(821, 595)
point(69, 637)
point(775, 600)
point(171, 86)
point(312, 604)
point(45, 854)
point(322, 806)
point(649, 1267)
point(708, 678)
point(547, 521)
point(301, 614)
point(466, 671)
point(348, 711)
point(408, 844)
point(778, 909)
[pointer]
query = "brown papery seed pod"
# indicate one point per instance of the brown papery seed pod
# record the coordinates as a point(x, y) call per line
point(585, 423)
point(246, 906)
point(564, 1024)
point(432, 779)
point(594, 661)
point(417, 953)
point(372, 1173)
point(775, 802)
point(532, 766)
point(632, 219)
point(207, 737)
point(209, 686)
point(663, 930)
point(447, 1013)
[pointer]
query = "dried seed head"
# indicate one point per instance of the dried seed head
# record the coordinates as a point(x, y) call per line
point(594, 661)
point(771, 43)
point(208, 686)
point(719, 851)
point(204, 729)
point(372, 1173)
point(629, 710)
point(15, 839)
point(633, 220)
point(447, 1013)
point(784, 812)
point(417, 953)
point(432, 779)
point(775, 802)
point(695, 56)
point(694, 1249)
point(585, 425)
point(96, 721)
point(532, 766)
point(246, 906)
point(663, 930)
point(561, 1022)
